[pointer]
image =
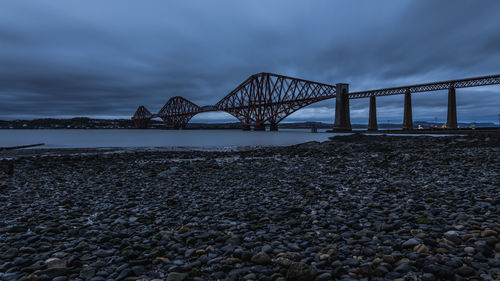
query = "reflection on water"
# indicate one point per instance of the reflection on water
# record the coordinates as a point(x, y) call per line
point(157, 138)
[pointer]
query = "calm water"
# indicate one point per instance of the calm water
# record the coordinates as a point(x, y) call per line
point(156, 138)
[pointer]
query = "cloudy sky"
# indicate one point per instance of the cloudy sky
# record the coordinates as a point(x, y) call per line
point(61, 58)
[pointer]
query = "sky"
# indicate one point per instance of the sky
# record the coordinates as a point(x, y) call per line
point(102, 59)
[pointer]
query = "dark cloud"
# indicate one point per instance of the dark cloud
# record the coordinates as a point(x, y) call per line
point(104, 58)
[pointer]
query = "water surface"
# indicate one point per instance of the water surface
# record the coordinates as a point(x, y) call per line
point(67, 138)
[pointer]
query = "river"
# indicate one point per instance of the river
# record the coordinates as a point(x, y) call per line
point(67, 138)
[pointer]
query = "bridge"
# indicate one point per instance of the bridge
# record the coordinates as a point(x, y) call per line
point(267, 98)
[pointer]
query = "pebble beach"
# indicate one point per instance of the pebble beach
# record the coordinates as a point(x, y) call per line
point(351, 208)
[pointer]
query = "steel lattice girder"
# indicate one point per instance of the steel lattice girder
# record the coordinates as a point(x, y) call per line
point(177, 112)
point(271, 97)
point(267, 97)
point(435, 86)
point(142, 113)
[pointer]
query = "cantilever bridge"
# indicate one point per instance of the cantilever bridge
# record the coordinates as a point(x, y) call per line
point(266, 99)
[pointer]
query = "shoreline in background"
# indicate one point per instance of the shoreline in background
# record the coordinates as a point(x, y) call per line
point(88, 123)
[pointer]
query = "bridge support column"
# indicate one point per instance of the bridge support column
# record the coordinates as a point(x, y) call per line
point(260, 127)
point(273, 127)
point(246, 127)
point(451, 120)
point(342, 115)
point(407, 119)
point(141, 123)
point(372, 119)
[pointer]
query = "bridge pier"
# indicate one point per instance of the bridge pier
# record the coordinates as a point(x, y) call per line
point(451, 120)
point(342, 114)
point(260, 127)
point(141, 123)
point(407, 119)
point(273, 127)
point(246, 127)
point(372, 119)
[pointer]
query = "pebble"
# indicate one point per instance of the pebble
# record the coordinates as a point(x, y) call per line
point(298, 271)
point(316, 211)
point(55, 263)
point(410, 243)
point(261, 258)
point(175, 276)
point(469, 250)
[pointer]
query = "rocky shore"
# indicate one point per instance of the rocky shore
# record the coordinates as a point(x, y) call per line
point(354, 207)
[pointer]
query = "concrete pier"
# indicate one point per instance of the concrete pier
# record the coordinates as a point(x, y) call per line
point(372, 119)
point(246, 127)
point(342, 114)
point(451, 120)
point(273, 127)
point(407, 119)
point(260, 127)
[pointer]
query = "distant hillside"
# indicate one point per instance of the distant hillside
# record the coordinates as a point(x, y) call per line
point(89, 123)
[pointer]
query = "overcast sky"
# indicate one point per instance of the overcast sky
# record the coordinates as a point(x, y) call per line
point(65, 58)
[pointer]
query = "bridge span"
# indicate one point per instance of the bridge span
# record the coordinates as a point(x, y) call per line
point(267, 98)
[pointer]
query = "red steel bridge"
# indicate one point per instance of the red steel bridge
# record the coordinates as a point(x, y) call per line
point(267, 98)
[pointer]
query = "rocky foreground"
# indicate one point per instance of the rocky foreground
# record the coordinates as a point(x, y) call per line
point(357, 207)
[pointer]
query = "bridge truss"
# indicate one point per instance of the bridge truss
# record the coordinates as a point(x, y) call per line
point(267, 98)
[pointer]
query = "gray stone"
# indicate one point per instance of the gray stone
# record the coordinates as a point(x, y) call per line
point(298, 271)
point(176, 276)
point(324, 277)
point(410, 243)
point(403, 268)
point(428, 277)
point(261, 258)
point(87, 272)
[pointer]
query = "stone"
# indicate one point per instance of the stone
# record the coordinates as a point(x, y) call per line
point(323, 257)
point(403, 268)
point(261, 258)
point(466, 271)
point(421, 249)
point(327, 276)
point(250, 276)
point(176, 276)
point(488, 233)
point(410, 243)
point(298, 271)
point(284, 262)
point(428, 277)
point(469, 250)
point(365, 270)
point(124, 274)
point(55, 263)
point(87, 272)
point(380, 271)
point(442, 250)
point(138, 270)
point(10, 253)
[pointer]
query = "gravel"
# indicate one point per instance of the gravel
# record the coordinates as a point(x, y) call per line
point(353, 207)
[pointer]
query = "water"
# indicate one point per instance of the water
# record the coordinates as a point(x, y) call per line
point(157, 138)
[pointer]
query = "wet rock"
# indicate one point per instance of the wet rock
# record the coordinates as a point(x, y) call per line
point(261, 258)
point(175, 276)
point(466, 271)
point(488, 233)
point(410, 243)
point(298, 271)
point(87, 273)
point(55, 263)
